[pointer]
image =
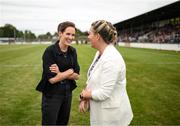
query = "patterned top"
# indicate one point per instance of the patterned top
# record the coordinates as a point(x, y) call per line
point(92, 67)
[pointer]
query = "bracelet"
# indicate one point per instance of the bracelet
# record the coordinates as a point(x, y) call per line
point(81, 97)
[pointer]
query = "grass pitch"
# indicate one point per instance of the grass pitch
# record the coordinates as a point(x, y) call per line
point(153, 85)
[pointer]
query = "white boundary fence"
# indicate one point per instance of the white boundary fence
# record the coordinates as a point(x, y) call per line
point(175, 47)
point(19, 43)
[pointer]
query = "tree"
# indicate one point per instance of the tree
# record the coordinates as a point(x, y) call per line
point(29, 36)
point(45, 37)
point(8, 31)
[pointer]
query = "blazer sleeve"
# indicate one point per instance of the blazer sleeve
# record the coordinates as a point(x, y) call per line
point(48, 59)
point(109, 75)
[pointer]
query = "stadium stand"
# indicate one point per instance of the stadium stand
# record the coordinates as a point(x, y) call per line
point(161, 25)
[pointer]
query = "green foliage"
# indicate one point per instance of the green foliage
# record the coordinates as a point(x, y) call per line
point(10, 31)
point(29, 36)
point(153, 78)
point(45, 37)
point(80, 33)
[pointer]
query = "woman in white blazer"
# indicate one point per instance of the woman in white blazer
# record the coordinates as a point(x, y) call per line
point(106, 84)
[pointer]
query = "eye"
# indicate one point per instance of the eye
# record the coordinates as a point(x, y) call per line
point(68, 34)
point(89, 32)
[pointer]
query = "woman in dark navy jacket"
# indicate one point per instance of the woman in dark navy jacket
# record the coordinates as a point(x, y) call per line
point(60, 70)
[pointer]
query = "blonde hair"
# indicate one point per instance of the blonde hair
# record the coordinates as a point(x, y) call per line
point(106, 30)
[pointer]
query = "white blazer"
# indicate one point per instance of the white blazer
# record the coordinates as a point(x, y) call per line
point(110, 104)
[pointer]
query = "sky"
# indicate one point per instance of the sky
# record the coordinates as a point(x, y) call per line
point(42, 16)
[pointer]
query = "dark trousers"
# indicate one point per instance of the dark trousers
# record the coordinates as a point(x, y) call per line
point(56, 108)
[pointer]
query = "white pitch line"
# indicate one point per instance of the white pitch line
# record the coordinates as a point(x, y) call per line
point(162, 54)
point(173, 63)
point(20, 65)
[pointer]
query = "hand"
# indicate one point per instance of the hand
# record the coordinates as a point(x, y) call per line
point(86, 94)
point(54, 68)
point(84, 106)
point(70, 71)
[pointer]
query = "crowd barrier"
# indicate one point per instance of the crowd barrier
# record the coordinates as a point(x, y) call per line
point(159, 46)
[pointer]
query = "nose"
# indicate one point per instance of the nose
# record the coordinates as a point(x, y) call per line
point(88, 36)
point(71, 37)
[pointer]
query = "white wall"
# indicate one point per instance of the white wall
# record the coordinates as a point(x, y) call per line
point(18, 43)
point(175, 47)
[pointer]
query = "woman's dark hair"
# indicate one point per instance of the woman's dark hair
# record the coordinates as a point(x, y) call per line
point(62, 26)
point(106, 30)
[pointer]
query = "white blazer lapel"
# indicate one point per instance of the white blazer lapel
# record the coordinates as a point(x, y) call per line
point(98, 63)
point(96, 56)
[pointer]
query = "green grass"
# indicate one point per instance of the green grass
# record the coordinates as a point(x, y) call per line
point(153, 85)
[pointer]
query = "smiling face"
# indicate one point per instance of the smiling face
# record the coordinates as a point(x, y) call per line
point(67, 36)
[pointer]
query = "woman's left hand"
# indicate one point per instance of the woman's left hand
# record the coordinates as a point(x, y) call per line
point(84, 106)
point(54, 68)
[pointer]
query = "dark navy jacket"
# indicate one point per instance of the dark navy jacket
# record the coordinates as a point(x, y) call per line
point(65, 61)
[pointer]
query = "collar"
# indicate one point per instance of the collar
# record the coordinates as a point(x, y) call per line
point(58, 50)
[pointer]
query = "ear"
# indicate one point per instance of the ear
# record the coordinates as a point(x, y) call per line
point(98, 37)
